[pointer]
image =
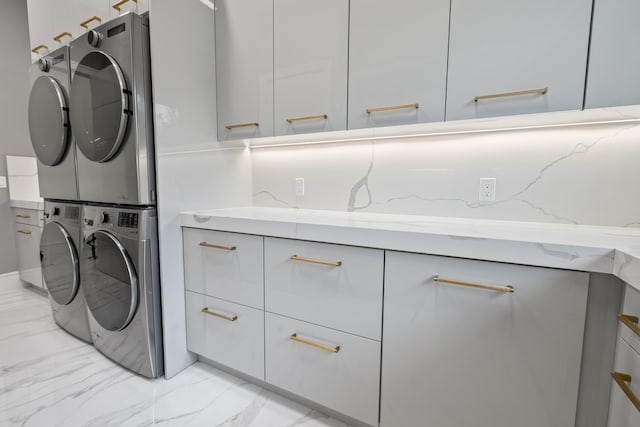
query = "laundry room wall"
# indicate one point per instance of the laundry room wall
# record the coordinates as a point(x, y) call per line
point(14, 131)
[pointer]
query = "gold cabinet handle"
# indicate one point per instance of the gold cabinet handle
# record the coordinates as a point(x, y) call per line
point(316, 261)
point(59, 37)
point(120, 3)
point(241, 125)
point(210, 245)
point(541, 91)
point(40, 46)
point(622, 380)
point(295, 337)
point(23, 216)
point(85, 23)
point(222, 316)
point(630, 322)
point(297, 119)
point(507, 288)
point(392, 107)
point(23, 232)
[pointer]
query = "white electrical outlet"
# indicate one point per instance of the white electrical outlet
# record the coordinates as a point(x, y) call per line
point(299, 186)
point(487, 189)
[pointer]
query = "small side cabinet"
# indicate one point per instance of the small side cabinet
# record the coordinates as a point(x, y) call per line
point(483, 344)
point(28, 226)
point(624, 407)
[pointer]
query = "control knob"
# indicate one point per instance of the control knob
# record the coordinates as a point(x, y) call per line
point(94, 38)
point(55, 211)
point(44, 64)
point(104, 217)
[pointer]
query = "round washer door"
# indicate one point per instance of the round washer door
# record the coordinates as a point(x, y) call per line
point(99, 106)
point(48, 121)
point(109, 281)
point(59, 261)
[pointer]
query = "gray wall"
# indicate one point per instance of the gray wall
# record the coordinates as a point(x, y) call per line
point(15, 58)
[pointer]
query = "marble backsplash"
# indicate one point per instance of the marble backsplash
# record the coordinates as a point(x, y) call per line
point(577, 174)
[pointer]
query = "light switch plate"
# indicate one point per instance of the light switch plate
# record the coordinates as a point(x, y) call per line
point(3, 182)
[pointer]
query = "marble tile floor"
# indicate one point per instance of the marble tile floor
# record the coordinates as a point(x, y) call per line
point(48, 378)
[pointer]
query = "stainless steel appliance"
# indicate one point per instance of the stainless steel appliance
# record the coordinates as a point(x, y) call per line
point(120, 276)
point(60, 267)
point(49, 126)
point(111, 112)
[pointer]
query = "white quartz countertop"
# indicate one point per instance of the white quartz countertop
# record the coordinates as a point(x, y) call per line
point(612, 250)
point(28, 204)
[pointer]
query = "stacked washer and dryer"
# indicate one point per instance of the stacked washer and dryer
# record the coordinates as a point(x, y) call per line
point(90, 120)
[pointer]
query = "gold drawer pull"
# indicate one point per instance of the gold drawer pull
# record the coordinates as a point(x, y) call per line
point(631, 322)
point(59, 37)
point(210, 245)
point(23, 216)
point(85, 23)
point(622, 380)
point(297, 119)
point(507, 288)
point(393, 107)
point(335, 349)
point(222, 316)
point(24, 232)
point(241, 125)
point(120, 3)
point(316, 261)
point(40, 46)
point(541, 91)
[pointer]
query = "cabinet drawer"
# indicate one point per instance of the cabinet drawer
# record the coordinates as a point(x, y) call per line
point(343, 292)
point(28, 216)
point(629, 327)
point(224, 265)
point(459, 352)
point(238, 344)
point(622, 411)
point(346, 381)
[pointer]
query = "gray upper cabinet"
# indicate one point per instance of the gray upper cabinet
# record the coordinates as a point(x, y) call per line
point(614, 60)
point(397, 62)
point(534, 54)
point(244, 68)
point(310, 65)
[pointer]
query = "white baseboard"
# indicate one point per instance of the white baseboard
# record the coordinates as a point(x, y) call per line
point(10, 279)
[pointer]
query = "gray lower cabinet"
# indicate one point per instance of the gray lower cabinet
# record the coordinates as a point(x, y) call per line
point(28, 226)
point(614, 61)
point(310, 65)
point(244, 68)
point(459, 355)
point(397, 62)
point(513, 57)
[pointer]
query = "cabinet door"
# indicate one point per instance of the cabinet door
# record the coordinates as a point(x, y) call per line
point(614, 59)
point(458, 355)
point(244, 68)
point(534, 53)
point(28, 253)
point(397, 62)
point(623, 407)
point(310, 65)
point(40, 26)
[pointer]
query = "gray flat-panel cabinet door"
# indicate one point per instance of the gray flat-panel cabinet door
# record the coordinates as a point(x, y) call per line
point(310, 65)
point(506, 46)
point(397, 62)
point(244, 68)
point(614, 60)
point(458, 355)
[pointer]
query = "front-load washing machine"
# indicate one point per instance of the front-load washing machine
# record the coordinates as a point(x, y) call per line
point(60, 267)
point(49, 128)
point(120, 278)
point(111, 112)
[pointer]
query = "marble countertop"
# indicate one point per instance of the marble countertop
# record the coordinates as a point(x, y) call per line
point(612, 250)
point(27, 204)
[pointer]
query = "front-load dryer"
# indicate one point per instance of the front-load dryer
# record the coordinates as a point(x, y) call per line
point(120, 280)
point(49, 128)
point(60, 267)
point(111, 112)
